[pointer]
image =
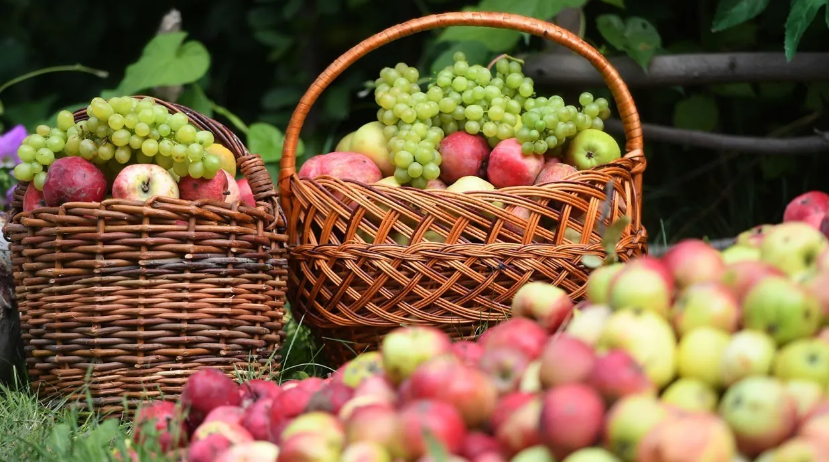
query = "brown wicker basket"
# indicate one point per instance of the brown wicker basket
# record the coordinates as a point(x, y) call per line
point(352, 282)
point(131, 297)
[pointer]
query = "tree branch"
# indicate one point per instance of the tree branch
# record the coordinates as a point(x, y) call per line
point(171, 22)
point(802, 145)
point(683, 69)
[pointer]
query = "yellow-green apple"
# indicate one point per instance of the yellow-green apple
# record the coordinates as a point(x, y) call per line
point(418, 418)
point(599, 282)
point(504, 366)
point(823, 261)
point(749, 352)
point(228, 160)
point(206, 390)
point(365, 365)
point(793, 247)
point(437, 183)
point(591, 148)
point(519, 333)
point(74, 179)
point(737, 253)
point(372, 424)
point(760, 413)
point(572, 416)
point(165, 418)
point(637, 286)
point(703, 304)
point(369, 141)
point(811, 208)
point(320, 423)
point(818, 285)
point(692, 261)
point(405, 348)
point(141, 182)
point(592, 455)
point(565, 359)
point(519, 429)
point(468, 389)
point(700, 353)
point(753, 237)
point(629, 420)
point(342, 165)
point(588, 322)
point(253, 451)
point(544, 303)
point(692, 437)
point(309, 447)
point(740, 277)
point(554, 170)
point(690, 394)
point(806, 359)
point(508, 166)
point(782, 308)
point(616, 374)
point(234, 432)
point(531, 381)
point(463, 155)
point(802, 449)
point(345, 143)
point(807, 394)
point(365, 452)
point(537, 453)
point(33, 199)
point(657, 265)
point(647, 337)
point(206, 449)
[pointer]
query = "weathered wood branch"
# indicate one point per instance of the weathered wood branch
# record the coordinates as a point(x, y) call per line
point(682, 69)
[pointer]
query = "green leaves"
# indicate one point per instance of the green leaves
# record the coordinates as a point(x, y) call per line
point(732, 12)
point(267, 141)
point(166, 61)
point(635, 36)
point(501, 40)
point(476, 52)
point(616, 3)
point(800, 17)
point(697, 112)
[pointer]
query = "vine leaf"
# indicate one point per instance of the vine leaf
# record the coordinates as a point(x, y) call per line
point(697, 112)
point(166, 61)
point(802, 14)
point(635, 36)
point(591, 261)
point(434, 449)
point(266, 140)
point(612, 235)
point(733, 12)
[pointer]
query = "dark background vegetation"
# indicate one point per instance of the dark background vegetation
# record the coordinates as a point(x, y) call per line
point(264, 54)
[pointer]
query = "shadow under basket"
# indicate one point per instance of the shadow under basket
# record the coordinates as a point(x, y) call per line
point(124, 300)
point(366, 259)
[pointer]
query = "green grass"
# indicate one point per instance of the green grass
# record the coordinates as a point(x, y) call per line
point(58, 431)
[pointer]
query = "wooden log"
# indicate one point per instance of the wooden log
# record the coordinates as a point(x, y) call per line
point(12, 365)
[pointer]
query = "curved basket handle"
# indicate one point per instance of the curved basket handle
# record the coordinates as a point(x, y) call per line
point(543, 29)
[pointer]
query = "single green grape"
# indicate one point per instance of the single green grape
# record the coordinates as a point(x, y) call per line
point(195, 152)
point(551, 141)
point(161, 114)
point(26, 153)
point(144, 104)
point(581, 121)
point(540, 147)
point(502, 66)
point(103, 131)
point(386, 101)
point(106, 151)
point(525, 89)
point(572, 129)
point(459, 114)
point(43, 130)
point(474, 112)
point(55, 144)
point(87, 149)
point(196, 169)
point(585, 99)
point(146, 116)
point(165, 147)
point(450, 127)
point(409, 116)
point(45, 156)
point(467, 97)
point(179, 153)
point(186, 134)
point(39, 180)
point(65, 120)
point(142, 158)
point(131, 120)
point(490, 129)
point(447, 105)
point(165, 162)
point(212, 163)
point(515, 67)
point(419, 183)
point(123, 154)
point(142, 129)
point(150, 147)
point(181, 168)
point(514, 81)
point(403, 159)
point(458, 56)
point(592, 110)
point(430, 171)
point(154, 134)
point(136, 141)
point(177, 120)
point(72, 131)
point(73, 145)
point(23, 172)
point(460, 67)
point(472, 127)
point(598, 124)
point(92, 124)
point(509, 119)
point(120, 137)
point(102, 110)
point(402, 175)
point(604, 113)
point(116, 121)
point(36, 167)
point(505, 131)
point(527, 148)
point(601, 103)
point(123, 106)
point(496, 113)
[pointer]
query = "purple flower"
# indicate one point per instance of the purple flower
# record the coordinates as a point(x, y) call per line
point(9, 142)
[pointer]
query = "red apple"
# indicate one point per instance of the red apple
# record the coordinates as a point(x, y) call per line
point(548, 305)
point(437, 418)
point(193, 189)
point(287, 405)
point(477, 444)
point(231, 414)
point(206, 449)
point(358, 402)
point(406, 348)
point(462, 155)
point(505, 367)
point(254, 451)
point(166, 418)
point(33, 199)
point(437, 183)
point(571, 418)
point(565, 359)
point(508, 404)
point(342, 165)
point(689, 437)
point(554, 170)
point(508, 166)
point(254, 390)
point(330, 398)
point(519, 333)
point(140, 182)
point(206, 390)
point(520, 430)
point(377, 386)
point(616, 374)
point(233, 193)
point(693, 260)
point(309, 447)
point(245, 193)
point(373, 424)
point(74, 179)
point(811, 207)
point(234, 433)
point(468, 352)
point(818, 285)
point(257, 419)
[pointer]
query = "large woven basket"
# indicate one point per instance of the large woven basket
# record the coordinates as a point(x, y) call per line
point(131, 297)
point(352, 283)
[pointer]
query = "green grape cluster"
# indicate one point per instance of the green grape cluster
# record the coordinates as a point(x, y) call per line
point(411, 125)
point(115, 130)
point(548, 122)
point(471, 99)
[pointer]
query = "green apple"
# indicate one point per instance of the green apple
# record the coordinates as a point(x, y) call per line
point(700, 353)
point(749, 352)
point(807, 394)
point(640, 287)
point(629, 420)
point(760, 412)
point(389, 181)
point(782, 308)
point(534, 454)
point(793, 247)
point(599, 282)
point(710, 304)
point(345, 144)
point(737, 253)
point(754, 237)
point(592, 455)
point(647, 337)
point(805, 359)
point(473, 184)
point(370, 141)
point(588, 323)
point(691, 395)
point(591, 148)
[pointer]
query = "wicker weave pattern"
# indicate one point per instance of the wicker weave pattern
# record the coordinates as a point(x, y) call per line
point(146, 293)
point(360, 263)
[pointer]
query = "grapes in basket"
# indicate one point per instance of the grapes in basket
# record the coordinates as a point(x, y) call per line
point(700, 355)
point(469, 128)
point(126, 149)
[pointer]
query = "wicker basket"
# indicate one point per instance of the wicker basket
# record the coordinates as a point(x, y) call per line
point(352, 282)
point(132, 297)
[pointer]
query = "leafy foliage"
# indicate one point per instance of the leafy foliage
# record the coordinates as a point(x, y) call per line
point(635, 36)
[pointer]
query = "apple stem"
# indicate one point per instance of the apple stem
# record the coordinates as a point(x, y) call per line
point(145, 186)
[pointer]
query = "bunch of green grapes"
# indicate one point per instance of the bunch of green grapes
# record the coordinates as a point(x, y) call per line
point(410, 117)
point(470, 99)
point(548, 122)
point(115, 130)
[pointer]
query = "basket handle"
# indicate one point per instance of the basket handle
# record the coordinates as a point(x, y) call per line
point(621, 94)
